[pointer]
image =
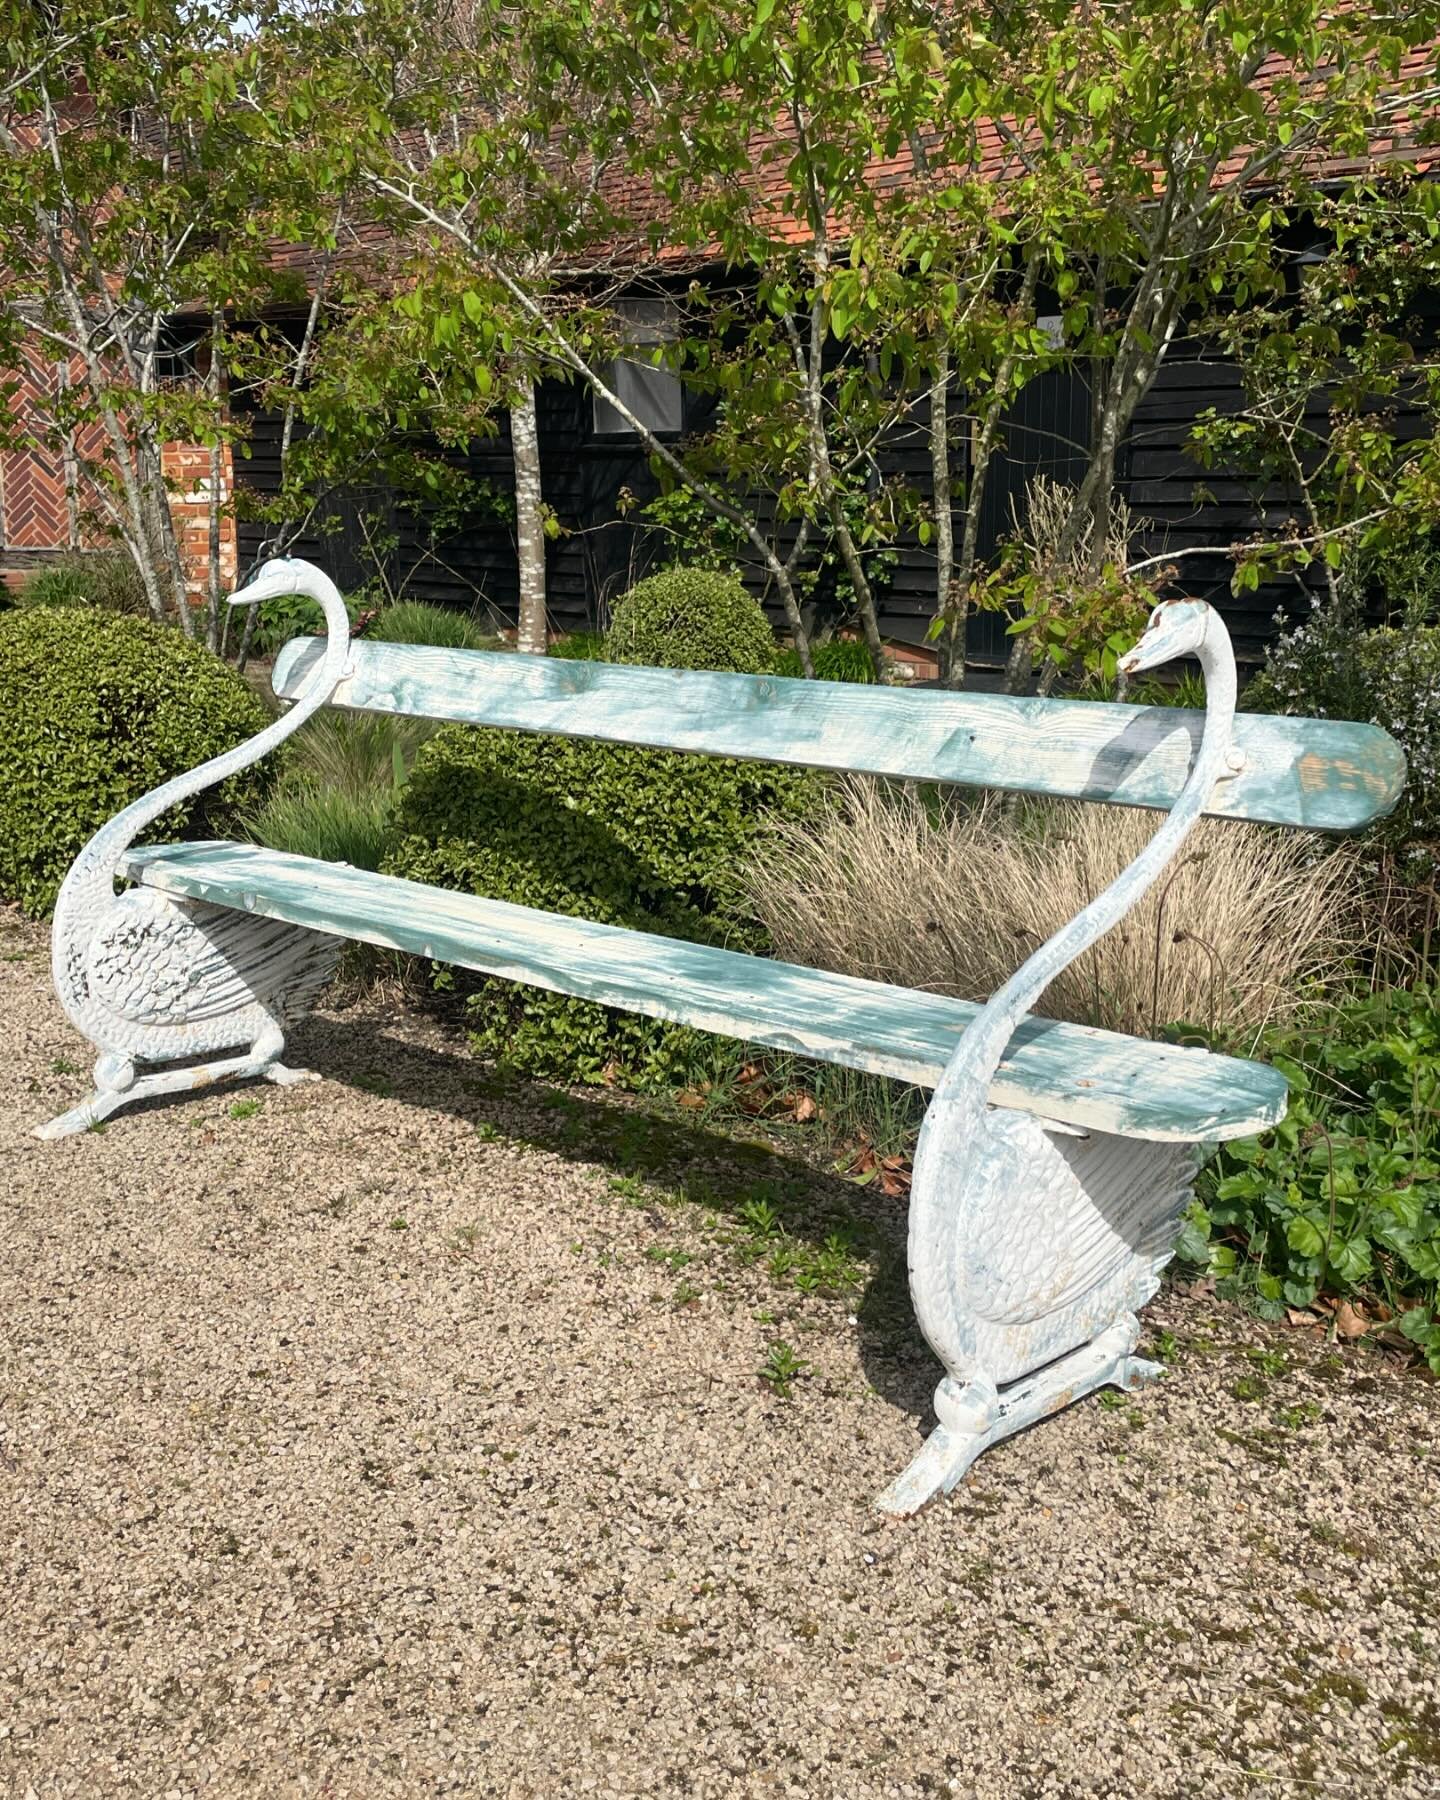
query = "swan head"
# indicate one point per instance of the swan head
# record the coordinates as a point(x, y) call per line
point(280, 575)
point(1176, 628)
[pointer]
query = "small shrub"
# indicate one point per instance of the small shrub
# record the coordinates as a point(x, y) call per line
point(1331, 667)
point(643, 838)
point(96, 710)
point(691, 619)
point(841, 659)
point(418, 622)
point(1342, 1197)
point(107, 579)
point(951, 896)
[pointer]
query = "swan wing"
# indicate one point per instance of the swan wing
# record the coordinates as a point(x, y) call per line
point(1069, 1217)
point(156, 961)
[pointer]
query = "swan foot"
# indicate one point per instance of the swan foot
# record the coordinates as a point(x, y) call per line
point(975, 1415)
point(117, 1085)
point(285, 1077)
point(969, 1415)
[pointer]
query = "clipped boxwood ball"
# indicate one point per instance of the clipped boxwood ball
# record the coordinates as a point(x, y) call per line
point(691, 619)
point(95, 710)
point(648, 839)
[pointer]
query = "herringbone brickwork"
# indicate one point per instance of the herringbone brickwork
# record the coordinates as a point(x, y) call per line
point(35, 513)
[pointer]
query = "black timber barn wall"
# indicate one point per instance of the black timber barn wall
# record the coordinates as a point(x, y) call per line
point(1184, 507)
point(600, 554)
point(1179, 506)
point(474, 568)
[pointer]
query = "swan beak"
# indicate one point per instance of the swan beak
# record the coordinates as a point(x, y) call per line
point(274, 577)
point(1149, 653)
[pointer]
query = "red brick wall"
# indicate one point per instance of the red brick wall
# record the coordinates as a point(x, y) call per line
point(34, 514)
point(187, 469)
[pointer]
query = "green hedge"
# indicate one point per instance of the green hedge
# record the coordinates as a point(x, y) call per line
point(95, 710)
point(641, 838)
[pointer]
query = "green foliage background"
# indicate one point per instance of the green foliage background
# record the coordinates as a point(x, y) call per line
point(1343, 1196)
point(646, 839)
point(95, 710)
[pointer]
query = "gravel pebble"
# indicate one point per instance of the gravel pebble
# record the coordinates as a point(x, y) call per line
point(403, 1435)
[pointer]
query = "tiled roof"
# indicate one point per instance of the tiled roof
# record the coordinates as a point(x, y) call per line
point(632, 197)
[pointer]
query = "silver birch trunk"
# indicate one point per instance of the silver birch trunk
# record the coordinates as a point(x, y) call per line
point(529, 520)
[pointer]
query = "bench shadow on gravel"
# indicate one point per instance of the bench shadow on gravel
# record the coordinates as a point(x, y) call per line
point(637, 1141)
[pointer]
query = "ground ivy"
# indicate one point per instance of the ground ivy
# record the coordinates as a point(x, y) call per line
point(1343, 1196)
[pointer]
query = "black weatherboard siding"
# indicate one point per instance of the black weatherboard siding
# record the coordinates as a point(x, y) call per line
point(1178, 505)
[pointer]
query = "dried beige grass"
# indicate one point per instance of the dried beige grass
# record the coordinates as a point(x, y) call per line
point(906, 886)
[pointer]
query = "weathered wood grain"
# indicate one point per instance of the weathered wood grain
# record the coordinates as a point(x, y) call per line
point(1328, 775)
point(1094, 1080)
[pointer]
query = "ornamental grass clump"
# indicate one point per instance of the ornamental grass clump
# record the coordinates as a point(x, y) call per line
point(95, 710)
point(927, 891)
point(420, 622)
point(336, 796)
point(108, 579)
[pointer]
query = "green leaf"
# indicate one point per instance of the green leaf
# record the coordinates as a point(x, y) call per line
point(1304, 1235)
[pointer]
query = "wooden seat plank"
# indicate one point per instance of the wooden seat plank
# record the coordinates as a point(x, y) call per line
point(1076, 1075)
point(1325, 774)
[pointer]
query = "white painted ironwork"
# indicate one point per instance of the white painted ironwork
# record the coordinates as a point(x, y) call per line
point(1031, 1250)
point(150, 979)
point(1035, 1235)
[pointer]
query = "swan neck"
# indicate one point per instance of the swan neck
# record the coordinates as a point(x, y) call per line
point(98, 863)
point(990, 1031)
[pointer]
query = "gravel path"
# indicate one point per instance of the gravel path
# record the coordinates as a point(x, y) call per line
point(402, 1434)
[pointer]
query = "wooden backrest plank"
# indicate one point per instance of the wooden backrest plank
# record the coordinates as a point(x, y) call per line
point(1326, 774)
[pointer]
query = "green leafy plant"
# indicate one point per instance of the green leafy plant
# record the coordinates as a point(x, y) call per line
point(104, 578)
point(782, 1368)
point(647, 839)
point(1343, 1196)
point(285, 616)
point(690, 619)
point(96, 710)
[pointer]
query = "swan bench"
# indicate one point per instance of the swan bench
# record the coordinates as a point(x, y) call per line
point(219, 944)
point(1311, 773)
